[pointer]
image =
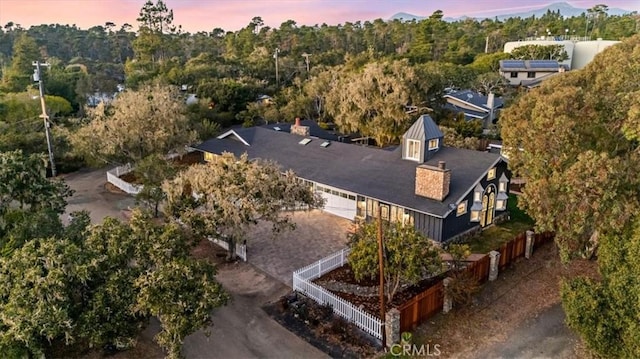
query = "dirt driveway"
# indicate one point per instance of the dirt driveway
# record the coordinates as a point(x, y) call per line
point(92, 195)
point(241, 329)
point(317, 235)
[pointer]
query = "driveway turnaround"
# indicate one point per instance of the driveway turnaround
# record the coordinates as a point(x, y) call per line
point(242, 329)
point(92, 195)
point(317, 235)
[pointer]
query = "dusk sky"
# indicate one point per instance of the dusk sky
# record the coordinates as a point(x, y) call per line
point(231, 15)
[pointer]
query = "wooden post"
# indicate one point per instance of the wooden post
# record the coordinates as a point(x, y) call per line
point(381, 262)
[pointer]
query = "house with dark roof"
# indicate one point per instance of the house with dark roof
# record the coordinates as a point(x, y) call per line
point(442, 191)
point(529, 73)
point(474, 105)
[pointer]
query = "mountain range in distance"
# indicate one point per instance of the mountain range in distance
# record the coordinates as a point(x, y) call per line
point(566, 10)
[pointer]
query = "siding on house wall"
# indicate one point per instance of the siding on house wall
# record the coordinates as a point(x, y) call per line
point(428, 225)
point(454, 225)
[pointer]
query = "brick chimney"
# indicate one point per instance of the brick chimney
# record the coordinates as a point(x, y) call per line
point(433, 182)
point(299, 130)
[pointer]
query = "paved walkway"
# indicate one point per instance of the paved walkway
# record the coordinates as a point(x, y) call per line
point(317, 235)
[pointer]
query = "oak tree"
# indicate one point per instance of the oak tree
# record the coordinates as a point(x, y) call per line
point(151, 120)
point(225, 196)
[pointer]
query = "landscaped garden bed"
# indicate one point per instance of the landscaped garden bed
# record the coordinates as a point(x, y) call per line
point(319, 326)
point(365, 294)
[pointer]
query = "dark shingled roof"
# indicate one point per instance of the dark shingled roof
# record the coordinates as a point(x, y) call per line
point(476, 99)
point(371, 172)
point(314, 129)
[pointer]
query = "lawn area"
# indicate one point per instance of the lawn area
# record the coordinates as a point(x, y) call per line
point(494, 236)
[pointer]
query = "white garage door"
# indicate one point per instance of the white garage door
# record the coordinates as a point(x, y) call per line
point(338, 202)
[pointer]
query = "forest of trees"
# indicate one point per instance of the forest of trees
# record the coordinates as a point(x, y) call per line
point(228, 70)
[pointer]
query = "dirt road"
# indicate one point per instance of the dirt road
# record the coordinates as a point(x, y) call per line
point(241, 329)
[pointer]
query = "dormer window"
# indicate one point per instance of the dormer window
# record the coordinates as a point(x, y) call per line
point(502, 185)
point(413, 150)
point(433, 144)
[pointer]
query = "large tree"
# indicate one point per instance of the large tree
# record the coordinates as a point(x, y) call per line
point(372, 101)
point(140, 123)
point(409, 256)
point(98, 285)
point(575, 140)
point(225, 196)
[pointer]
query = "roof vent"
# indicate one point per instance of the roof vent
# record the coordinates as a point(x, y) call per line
point(305, 141)
point(325, 144)
point(277, 128)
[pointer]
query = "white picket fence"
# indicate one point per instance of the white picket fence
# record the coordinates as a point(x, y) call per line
point(302, 283)
point(113, 177)
point(241, 249)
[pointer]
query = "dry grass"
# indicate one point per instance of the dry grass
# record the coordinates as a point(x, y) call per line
point(520, 292)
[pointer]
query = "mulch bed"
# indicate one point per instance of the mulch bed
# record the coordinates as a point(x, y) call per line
point(182, 162)
point(370, 304)
point(318, 326)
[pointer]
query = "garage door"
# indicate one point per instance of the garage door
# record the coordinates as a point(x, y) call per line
point(338, 202)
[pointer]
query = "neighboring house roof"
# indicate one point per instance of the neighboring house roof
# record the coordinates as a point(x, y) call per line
point(423, 129)
point(529, 65)
point(368, 171)
point(314, 130)
point(468, 114)
point(531, 83)
point(475, 99)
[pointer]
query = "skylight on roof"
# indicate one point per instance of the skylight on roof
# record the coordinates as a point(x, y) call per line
point(277, 128)
point(325, 144)
point(305, 141)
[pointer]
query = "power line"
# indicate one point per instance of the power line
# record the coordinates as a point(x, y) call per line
point(37, 77)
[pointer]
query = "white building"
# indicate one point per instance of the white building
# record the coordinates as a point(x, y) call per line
point(580, 52)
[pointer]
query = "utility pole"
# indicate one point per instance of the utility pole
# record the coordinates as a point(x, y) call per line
point(275, 56)
point(486, 45)
point(37, 77)
point(381, 263)
point(306, 60)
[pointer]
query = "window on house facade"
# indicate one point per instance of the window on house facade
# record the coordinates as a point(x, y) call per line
point(208, 156)
point(531, 75)
point(433, 144)
point(462, 208)
point(413, 150)
point(475, 216)
point(491, 174)
point(502, 187)
point(514, 74)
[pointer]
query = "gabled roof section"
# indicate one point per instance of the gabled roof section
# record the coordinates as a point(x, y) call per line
point(235, 135)
point(423, 129)
point(475, 99)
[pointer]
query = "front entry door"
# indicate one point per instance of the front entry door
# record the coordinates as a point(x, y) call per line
point(488, 207)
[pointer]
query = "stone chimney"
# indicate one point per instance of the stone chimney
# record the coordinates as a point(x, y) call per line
point(433, 182)
point(299, 130)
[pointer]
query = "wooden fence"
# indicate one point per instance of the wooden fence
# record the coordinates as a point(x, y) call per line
point(428, 303)
point(421, 307)
point(512, 250)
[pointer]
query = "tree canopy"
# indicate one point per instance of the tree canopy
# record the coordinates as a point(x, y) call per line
point(575, 140)
point(408, 255)
point(138, 123)
point(223, 197)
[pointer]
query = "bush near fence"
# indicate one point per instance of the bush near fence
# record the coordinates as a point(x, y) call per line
point(430, 302)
